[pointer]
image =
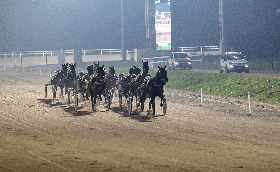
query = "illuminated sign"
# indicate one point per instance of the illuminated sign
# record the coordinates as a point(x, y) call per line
point(163, 24)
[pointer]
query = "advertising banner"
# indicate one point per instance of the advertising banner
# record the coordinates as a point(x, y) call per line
point(163, 24)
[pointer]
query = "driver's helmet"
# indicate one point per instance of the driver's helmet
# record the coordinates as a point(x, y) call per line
point(133, 76)
point(56, 71)
point(147, 78)
point(121, 75)
point(82, 73)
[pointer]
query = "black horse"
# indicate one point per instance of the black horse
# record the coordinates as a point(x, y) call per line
point(58, 80)
point(124, 83)
point(153, 88)
point(71, 83)
point(83, 81)
point(111, 85)
point(97, 85)
point(140, 78)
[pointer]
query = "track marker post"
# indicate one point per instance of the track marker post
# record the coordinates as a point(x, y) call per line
point(269, 87)
point(201, 96)
point(249, 102)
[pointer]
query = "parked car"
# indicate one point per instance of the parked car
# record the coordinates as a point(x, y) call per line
point(233, 62)
point(179, 60)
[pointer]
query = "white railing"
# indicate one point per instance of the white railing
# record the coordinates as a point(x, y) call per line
point(67, 52)
point(200, 49)
point(157, 61)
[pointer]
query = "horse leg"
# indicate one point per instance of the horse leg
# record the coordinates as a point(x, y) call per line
point(161, 99)
point(152, 104)
point(92, 100)
point(142, 100)
point(105, 95)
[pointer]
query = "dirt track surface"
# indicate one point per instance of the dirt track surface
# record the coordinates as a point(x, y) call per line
point(38, 135)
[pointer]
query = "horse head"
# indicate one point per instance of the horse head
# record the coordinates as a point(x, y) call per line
point(89, 70)
point(112, 71)
point(145, 66)
point(64, 68)
point(130, 71)
point(136, 70)
point(72, 68)
point(100, 71)
point(96, 65)
point(161, 74)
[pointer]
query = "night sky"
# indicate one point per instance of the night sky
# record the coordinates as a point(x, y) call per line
point(63, 24)
point(251, 26)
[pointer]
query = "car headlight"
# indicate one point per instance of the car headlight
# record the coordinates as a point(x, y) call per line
point(231, 65)
point(189, 63)
point(176, 63)
point(246, 65)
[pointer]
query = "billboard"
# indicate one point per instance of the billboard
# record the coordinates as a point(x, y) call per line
point(163, 24)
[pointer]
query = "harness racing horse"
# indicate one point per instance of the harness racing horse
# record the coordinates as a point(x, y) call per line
point(124, 84)
point(153, 89)
point(72, 84)
point(111, 85)
point(83, 81)
point(137, 81)
point(97, 85)
point(58, 80)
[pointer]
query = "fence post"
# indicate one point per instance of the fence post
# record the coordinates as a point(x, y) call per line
point(46, 58)
point(269, 87)
point(14, 56)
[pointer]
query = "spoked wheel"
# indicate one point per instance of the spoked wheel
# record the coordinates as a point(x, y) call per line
point(129, 105)
point(120, 102)
point(109, 100)
point(164, 106)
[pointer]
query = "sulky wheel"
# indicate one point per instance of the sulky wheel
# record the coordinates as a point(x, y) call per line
point(164, 106)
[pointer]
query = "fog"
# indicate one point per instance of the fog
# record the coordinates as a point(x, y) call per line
point(251, 26)
point(52, 24)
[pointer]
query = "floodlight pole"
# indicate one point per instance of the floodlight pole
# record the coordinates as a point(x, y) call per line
point(222, 31)
point(122, 25)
